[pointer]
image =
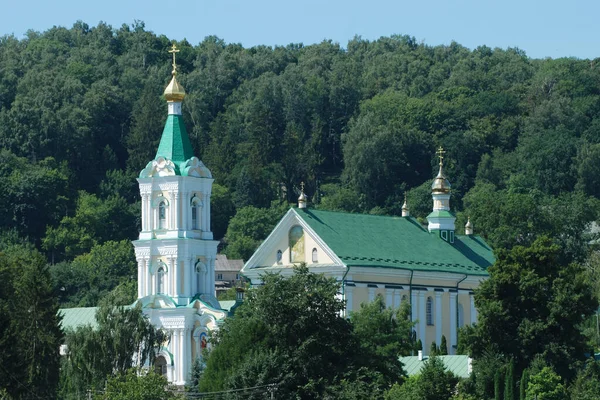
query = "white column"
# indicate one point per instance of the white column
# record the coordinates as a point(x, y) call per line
point(185, 350)
point(174, 351)
point(181, 355)
point(389, 298)
point(452, 323)
point(149, 223)
point(152, 285)
point(211, 276)
point(143, 212)
point(438, 317)
point(207, 213)
point(413, 306)
point(140, 277)
point(176, 211)
point(473, 309)
point(421, 332)
point(149, 278)
point(371, 294)
point(175, 269)
point(185, 207)
point(396, 298)
point(349, 292)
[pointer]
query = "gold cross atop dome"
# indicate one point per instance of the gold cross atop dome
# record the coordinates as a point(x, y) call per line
point(174, 92)
point(174, 50)
point(440, 153)
point(302, 186)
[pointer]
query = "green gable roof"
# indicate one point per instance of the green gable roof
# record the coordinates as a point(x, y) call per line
point(396, 242)
point(458, 365)
point(175, 144)
point(73, 318)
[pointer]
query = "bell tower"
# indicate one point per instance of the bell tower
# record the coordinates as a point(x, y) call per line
point(175, 250)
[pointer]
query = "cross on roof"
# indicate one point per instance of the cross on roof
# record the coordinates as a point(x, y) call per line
point(440, 153)
point(174, 50)
point(302, 186)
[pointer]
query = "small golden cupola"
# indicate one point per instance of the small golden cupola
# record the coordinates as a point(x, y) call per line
point(174, 92)
point(440, 183)
point(405, 211)
point(468, 227)
point(441, 219)
point(302, 198)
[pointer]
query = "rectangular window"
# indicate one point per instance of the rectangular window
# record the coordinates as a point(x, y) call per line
point(220, 277)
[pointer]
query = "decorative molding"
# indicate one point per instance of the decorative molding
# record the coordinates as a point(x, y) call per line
point(158, 167)
point(196, 168)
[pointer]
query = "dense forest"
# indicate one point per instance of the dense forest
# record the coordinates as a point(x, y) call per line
point(81, 113)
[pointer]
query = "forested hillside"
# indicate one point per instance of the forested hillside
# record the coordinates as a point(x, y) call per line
point(81, 114)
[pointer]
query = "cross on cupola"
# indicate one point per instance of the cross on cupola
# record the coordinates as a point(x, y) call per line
point(440, 153)
point(174, 50)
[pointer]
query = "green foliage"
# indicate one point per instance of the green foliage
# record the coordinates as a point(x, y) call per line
point(124, 339)
point(540, 300)
point(545, 385)
point(523, 384)
point(221, 209)
point(587, 383)
point(434, 383)
point(509, 382)
point(132, 385)
point(30, 334)
point(91, 276)
point(249, 227)
point(443, 346)
point(95, 221)
point(498, 385)
point(290, 333)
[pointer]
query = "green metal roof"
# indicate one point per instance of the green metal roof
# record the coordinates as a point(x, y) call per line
point(73, 318)
point(458, 365)
point(396, 242)
point(440, 213)
point(175, 144)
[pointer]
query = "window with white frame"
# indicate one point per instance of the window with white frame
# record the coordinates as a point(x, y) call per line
point(160, 280)
point(196, 204)
point(279, 256)
point(429, 310)
point(162, 215)
point(315, 256)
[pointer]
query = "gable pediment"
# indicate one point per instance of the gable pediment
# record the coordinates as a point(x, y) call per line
point(291, 242)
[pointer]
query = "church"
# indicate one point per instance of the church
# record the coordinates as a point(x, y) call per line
point(431, 267)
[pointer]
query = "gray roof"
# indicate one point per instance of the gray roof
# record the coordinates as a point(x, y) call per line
point(222, 264)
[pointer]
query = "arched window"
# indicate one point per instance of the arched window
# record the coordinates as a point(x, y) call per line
point(160, 366)
point(196, 204)
point(315, 256)
point(296, 238)
point(194, 218)
point(461, 316)
point(160, 280)
point(429, 310)
point(279, 256)
point(162, 215)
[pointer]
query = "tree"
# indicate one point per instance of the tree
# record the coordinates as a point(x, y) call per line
point(509, 382)
point(133, 385)
point(498, 385)
point(30, 333)
point(443, 346)
point(433, 383)
point(124, 339)
point(289, 332)
point(530, 293)
point(381, 335)
point(433, 349)
point(523, 384)
point(587, 383)
point(545, 385)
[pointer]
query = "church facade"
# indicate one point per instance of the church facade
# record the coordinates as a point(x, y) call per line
point(175, 251)
point(431, 267)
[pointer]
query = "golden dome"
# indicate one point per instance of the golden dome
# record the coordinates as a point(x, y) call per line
point(174, 91)
point(440, 183)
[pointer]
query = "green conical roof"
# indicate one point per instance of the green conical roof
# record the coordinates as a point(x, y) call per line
point(175, 144)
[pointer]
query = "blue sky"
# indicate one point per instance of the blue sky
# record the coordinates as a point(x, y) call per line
point(547, 28)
